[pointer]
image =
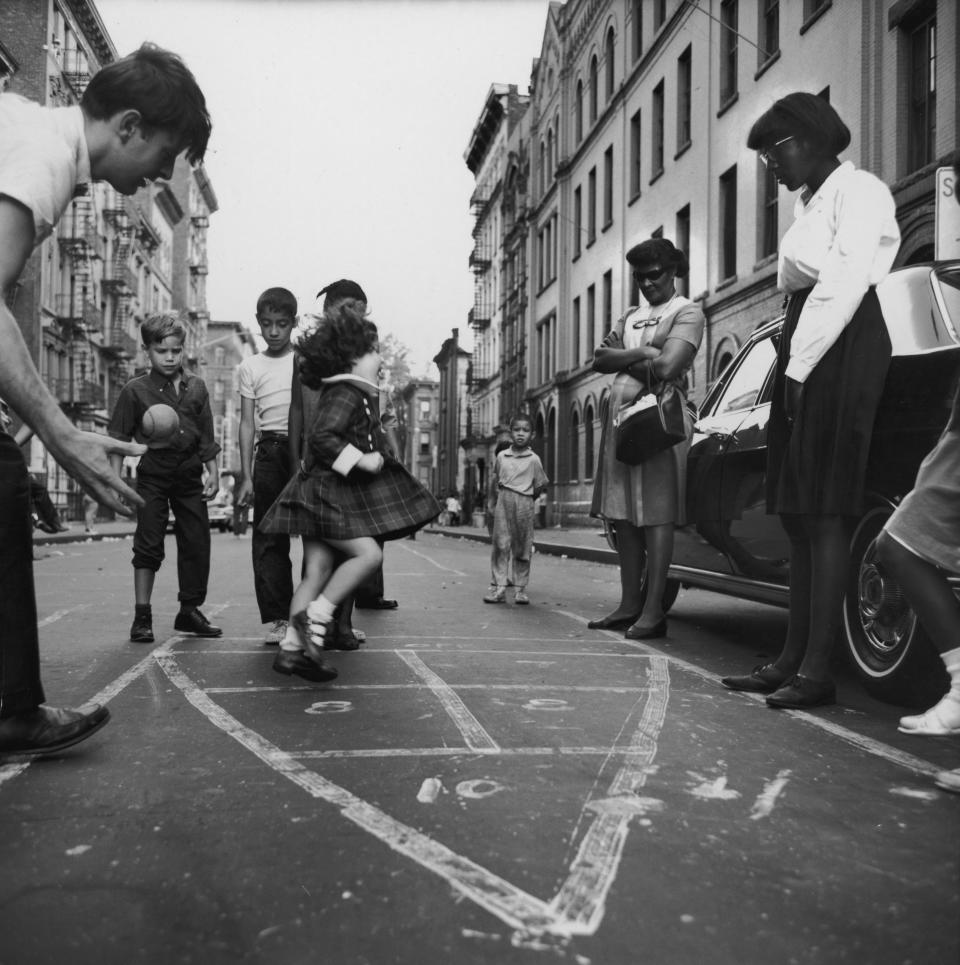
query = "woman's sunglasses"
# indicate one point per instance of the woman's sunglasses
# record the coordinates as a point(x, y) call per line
point(654, 274)
point(770, 154)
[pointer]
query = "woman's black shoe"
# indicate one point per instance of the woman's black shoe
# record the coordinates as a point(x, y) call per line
point(293, 662)
point(612, 623)
point(659, 629)
point(764, 679)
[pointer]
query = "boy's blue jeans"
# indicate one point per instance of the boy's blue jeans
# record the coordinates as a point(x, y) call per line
point(20, 688)
point(512, 537)
point(272, 576)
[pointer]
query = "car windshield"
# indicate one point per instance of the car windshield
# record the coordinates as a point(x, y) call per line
point(948, 285)
point(745, 385)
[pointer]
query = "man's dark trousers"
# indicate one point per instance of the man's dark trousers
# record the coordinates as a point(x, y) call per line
point(20, 688)
point(272, 576)
point(166, 481)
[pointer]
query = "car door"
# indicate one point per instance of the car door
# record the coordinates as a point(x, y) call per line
point(726, 499)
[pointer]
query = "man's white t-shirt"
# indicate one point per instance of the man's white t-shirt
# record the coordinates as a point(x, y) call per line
point(267, 379)
point(43, 157)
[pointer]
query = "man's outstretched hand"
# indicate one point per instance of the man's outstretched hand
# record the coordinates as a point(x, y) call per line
point(86, 457)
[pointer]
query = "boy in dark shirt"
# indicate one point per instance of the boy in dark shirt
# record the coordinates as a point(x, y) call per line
point(170, 477)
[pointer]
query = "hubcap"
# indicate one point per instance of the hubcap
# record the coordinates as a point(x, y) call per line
point(885, 616)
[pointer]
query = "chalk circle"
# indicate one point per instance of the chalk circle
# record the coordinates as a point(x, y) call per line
point(478, 789)
point(546, 703)
point(329, 707)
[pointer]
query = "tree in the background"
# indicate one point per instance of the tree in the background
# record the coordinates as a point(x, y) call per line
point(396, 374)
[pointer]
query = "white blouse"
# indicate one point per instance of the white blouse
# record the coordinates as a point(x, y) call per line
point(843, 240)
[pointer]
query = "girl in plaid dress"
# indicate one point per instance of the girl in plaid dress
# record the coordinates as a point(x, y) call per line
point(348, 492)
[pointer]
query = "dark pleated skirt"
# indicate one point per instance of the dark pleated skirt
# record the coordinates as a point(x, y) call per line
point(818, 466)
point(322, 504)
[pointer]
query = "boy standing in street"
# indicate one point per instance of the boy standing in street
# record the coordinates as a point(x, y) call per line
point(518, 479)
point(170, 477)
point(135, 117)
point(265, 383)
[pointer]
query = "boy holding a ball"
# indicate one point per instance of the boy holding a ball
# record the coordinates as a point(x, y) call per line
point(170, 474)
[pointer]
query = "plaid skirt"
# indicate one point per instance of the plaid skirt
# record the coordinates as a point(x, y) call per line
point(322, 504)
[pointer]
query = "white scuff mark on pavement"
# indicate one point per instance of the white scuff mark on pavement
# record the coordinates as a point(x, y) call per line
point(478, 789)
point(714, 790)
point(60, 614)
point(429, 790)
point(538, 663)
point(578, 907)
point(627, 805)
point(546, 703)
point(474, 735)
point(423, 556)
point(867, 744)
point(330, 707)
point(471, 933)
point(915, 792)
point(78, 849)
point(767, 798)
point(10, 771)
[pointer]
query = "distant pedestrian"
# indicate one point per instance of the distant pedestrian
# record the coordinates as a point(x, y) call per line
point(453, 510)
point(518, 480)
point(170, 477)
point(832, 363)
point(265, 468)
point(348, 493)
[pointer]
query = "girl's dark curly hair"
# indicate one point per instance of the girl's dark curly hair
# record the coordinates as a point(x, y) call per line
point(342, 335)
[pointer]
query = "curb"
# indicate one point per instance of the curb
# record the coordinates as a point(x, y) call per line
point(545, 547)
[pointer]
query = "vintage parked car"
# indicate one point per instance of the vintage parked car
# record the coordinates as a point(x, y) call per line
point(732, 546)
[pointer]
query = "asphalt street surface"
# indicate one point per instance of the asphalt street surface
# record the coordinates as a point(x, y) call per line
point(481, 784)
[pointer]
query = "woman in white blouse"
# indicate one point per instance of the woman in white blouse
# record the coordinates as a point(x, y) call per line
point(832, 362)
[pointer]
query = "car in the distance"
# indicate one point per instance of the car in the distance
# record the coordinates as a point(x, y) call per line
point(731, 545)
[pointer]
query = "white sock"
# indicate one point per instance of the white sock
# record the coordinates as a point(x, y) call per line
point(321, 610)
point(290, 640)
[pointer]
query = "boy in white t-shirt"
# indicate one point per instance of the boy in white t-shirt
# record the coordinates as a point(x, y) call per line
point(265, 381)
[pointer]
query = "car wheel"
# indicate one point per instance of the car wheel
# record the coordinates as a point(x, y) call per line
point(884, 640)
point(670, 591)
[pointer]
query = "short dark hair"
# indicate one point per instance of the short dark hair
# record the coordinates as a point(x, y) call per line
point(155, 328)
point(806, 116)
point(659, 251)
point(521, 417)
point(341, 336)
point(340, 289)
point(278, 299)
point(158, 84)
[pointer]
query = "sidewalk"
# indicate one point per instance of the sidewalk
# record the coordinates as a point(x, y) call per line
point(578, 543)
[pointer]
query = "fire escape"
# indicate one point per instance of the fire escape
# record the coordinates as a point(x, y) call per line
point(120, 283)
point(77, 312)
point(480, 315)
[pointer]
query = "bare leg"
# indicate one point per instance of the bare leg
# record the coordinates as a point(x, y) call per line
point(317, 566)
point(364, 557)
point(659, 542)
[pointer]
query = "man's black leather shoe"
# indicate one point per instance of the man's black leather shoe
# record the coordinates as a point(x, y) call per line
point(294, 662)
point(142, 629)
point(378, 603)
point(193, 621)
point(47, 730)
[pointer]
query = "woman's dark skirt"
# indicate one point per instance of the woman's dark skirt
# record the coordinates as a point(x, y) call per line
point(818, 465)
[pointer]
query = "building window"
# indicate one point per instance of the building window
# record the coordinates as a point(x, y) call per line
point(588, 455)
point(549, 157)
point(594, 81)
point(608, 187)
point(656, 159)
point(729, 17)
point(424, 408)
point(218, 390)
point(219, 355)
point(769, 211)
point(578, 111)
point(424, 443)
point(728, 223)
point(611, 63)
point(636, 141)
point(575, 334)
point(591, 319)
point(577, 220)
point(769, 31)
point(636, 27)
point(607, 302)
point(659, 13)
point(574, 447)
point(543, 168)
point(813, 7)
point(592, 206)
point(683, 243)
point(922, 109)
point(684, 98)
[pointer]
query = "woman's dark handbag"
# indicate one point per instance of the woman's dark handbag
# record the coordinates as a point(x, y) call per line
point(648, 425)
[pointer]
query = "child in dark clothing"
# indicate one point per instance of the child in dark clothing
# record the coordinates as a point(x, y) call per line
point(170, 477)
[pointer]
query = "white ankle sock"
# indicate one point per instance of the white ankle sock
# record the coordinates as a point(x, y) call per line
point(321, 610)
point(290, 640)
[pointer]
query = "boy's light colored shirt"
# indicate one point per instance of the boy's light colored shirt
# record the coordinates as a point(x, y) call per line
point(267, 380)
point(522, 472)
point(43, 157)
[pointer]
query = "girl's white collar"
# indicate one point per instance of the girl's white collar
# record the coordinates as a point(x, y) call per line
point(350, 377)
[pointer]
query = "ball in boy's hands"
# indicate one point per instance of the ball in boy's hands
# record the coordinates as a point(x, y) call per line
point(159, 426)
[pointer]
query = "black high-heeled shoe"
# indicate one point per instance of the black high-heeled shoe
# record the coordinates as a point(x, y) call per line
point(612, 623)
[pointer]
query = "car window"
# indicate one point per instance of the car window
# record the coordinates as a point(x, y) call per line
point(948, 285)
point(745, 385)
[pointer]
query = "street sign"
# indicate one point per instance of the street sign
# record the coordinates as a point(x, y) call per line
point(947, 217)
